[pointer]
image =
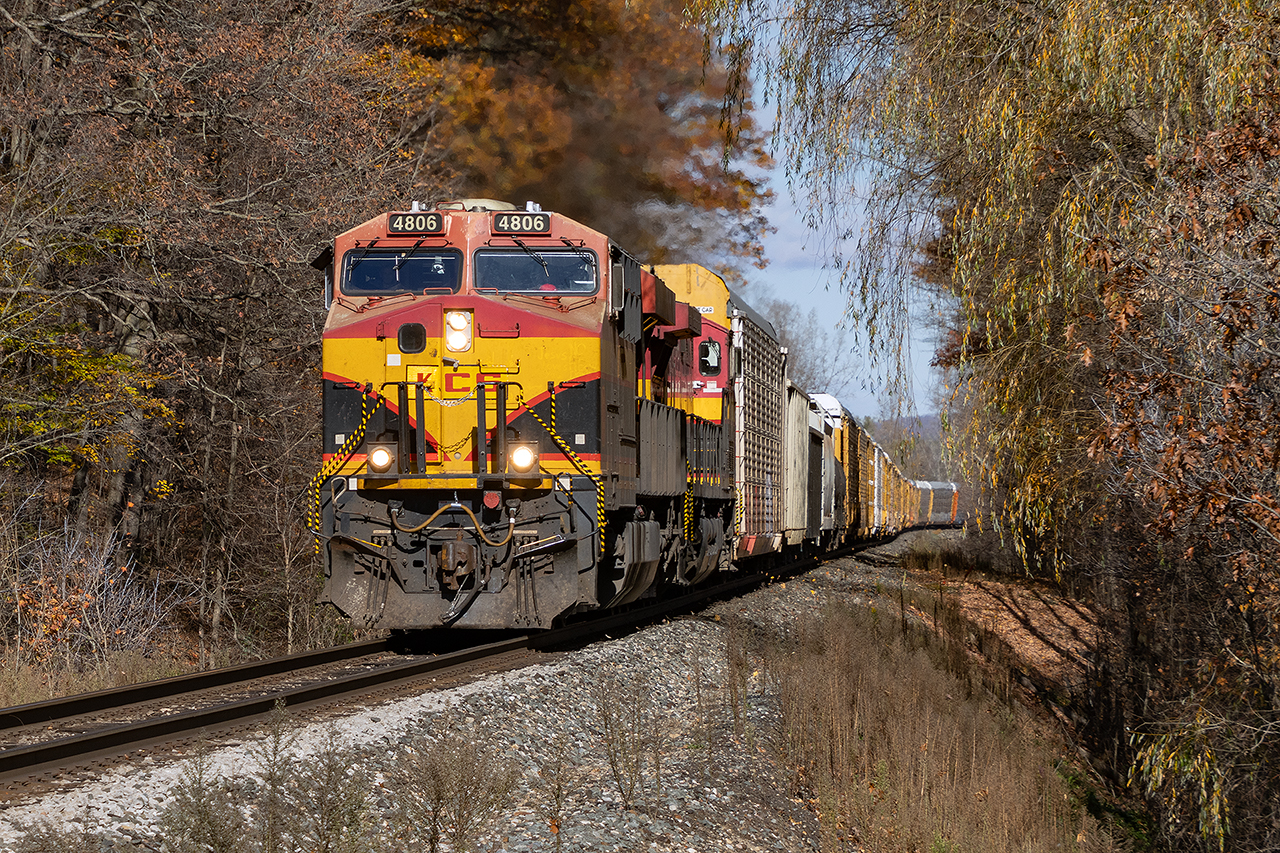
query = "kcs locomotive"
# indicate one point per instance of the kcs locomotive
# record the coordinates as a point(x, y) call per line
point(522, 422)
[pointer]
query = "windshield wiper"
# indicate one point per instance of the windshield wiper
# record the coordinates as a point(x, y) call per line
point(372, 243)
point(581, 252)
point(531, 253)
point(406, 255)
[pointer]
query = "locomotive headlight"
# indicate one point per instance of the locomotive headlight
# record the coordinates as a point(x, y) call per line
point(523, 458)
point(457, 331)
point(381, 458)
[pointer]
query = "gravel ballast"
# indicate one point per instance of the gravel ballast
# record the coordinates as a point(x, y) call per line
point(716, 789)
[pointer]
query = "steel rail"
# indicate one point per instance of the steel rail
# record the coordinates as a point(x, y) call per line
point(121, 738)
point(120, 697)
point(31, 759)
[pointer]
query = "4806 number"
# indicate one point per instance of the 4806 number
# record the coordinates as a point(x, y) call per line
point(522, 223)
point(415, 223)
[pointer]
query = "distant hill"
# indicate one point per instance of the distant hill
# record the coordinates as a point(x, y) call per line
point(915, 444)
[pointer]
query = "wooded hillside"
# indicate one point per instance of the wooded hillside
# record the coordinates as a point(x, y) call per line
point(167, 171)
point(1093, 185)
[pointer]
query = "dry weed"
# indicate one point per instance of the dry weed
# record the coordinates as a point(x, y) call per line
point(74, 620)
point(45, 837)
point(880, 736)
point(288, 806)
point(334, 797)
point(560, 775)
point(203, 815)
point(623, 710)
point(451, 789)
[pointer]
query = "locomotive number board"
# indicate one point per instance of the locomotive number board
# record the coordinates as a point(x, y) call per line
point(415, 223)
point(521, 223)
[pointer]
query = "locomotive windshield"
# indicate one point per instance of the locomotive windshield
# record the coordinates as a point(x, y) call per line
point(378, 271)
point(528, 268)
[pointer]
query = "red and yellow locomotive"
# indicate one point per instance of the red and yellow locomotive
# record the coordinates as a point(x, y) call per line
point(521, 422)
point(516, 425)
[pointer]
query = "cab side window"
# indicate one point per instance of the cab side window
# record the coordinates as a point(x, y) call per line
point(709, 358)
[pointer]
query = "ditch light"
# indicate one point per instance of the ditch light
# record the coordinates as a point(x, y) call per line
point(522, 458)
point(381, 458)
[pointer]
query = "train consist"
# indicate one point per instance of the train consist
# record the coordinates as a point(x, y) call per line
point(522, 422)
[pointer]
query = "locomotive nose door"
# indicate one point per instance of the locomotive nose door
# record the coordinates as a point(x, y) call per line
point(422, 413)
point(413, 367)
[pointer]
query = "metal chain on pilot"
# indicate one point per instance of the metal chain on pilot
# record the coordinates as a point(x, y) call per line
point(596, 480)
point(457, 445)
point(688, 500)
point(739, 509)
point(448, 404)
point(368, 405)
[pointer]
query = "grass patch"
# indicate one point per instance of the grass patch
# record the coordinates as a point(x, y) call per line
point(23, 682)
point(896, 749)
point(948, 560)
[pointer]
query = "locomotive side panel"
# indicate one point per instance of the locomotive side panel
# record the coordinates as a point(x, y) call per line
point(705, 371)
point(699, 378)
point(619, 447)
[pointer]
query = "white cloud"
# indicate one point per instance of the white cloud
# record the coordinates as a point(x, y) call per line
point(797, 273)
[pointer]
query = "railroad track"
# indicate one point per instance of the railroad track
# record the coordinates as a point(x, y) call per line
point(237, 697)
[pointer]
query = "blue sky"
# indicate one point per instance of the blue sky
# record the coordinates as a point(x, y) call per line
point(796, 273)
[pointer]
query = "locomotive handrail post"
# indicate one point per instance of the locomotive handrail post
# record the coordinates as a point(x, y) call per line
point(482, 431)
point(420, 409)
point(499, 465)
point(402, 432)
point(500, 438)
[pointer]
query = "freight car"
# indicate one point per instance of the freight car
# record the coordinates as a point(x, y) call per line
point(522, 422)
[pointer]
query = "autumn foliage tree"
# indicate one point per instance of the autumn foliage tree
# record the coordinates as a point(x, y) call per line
point(1192, 426)
point(1091, 182)
point(167, 170)
point(602, 110)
